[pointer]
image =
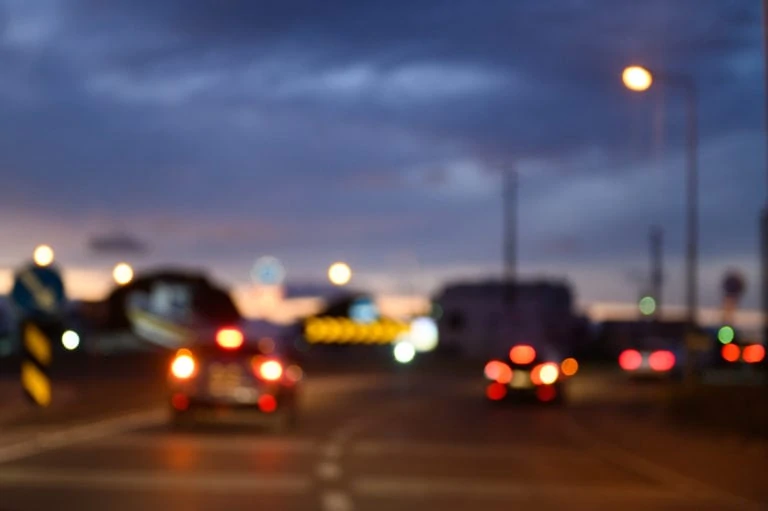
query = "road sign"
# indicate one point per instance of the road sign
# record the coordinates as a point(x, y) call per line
point(268, 271)
point(38, 291)
point(38, 355)
point(734, 284)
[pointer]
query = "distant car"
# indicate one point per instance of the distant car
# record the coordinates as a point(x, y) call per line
point(527, 373)
point(229, 377)
point(652, 358)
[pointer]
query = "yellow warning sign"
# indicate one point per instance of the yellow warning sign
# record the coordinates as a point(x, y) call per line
point(36, 384)
point(37, 344)
point(341, 330)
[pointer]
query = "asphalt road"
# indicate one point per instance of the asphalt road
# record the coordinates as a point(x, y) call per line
point(389, 440)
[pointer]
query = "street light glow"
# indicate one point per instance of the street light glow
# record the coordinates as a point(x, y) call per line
point(70, 340)
point(122, 273)
point(637, 78)
point(339, 274)
point(43, 255)
point(404, 352)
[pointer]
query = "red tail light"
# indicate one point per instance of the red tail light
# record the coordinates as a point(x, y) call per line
point(496, 391)
point(730, 352)
point(229, 338)
point(753, 354)
point(522, 354)
point(498, 371)
point(630, 360)
point(662, 360)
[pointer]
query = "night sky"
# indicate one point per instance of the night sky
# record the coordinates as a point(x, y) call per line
point(375, 131)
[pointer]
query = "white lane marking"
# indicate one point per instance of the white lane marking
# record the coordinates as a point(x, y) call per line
point(210, 482)
point(498, 451)
point(684, 484)
point(239, 443)
point(328, 471)
point(334, 500)
point(332, 451)
point(53, 440)
point(467, 487)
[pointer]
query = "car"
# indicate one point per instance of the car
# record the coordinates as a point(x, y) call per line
point(652, 358)
point(528, 373)
point(229, 377)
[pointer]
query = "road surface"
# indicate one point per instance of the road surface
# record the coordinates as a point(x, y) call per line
point(404, 440)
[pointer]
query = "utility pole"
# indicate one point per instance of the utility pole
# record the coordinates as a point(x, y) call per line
point(509, 198)
point(657, 269)
point(764, 214)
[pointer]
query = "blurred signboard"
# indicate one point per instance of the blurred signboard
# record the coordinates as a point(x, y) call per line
point(344, 330)
point(38, 291)
point(38, 294)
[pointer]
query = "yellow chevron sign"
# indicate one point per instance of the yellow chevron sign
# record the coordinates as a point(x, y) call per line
point(342, 330)
point(34, 380)
point(36, 384)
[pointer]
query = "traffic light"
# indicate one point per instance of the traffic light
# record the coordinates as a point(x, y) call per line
point(647, 305)
point(726, 334)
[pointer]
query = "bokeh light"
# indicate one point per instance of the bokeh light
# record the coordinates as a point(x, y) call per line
point(43, 255)
point(569, 366)
point(637, 78)
point(730, 352)
point(339, 274)
point(629, 360)
point(70, 340)
point(404, 352)
point(647, 305)
point(753, 354)
point(522, 354)
point(122, 273)
point(424, 334)
point(726, 334)
point(496, 391)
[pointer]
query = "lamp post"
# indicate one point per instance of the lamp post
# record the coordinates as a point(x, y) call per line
point(640, 79)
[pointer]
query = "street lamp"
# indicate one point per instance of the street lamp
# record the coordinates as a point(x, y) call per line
point(639, 79)
point(122, 273)
point(339, 274)
point(43, 255)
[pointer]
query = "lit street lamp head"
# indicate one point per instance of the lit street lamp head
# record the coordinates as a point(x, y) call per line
point(43, 255)
point(122, 274)
point(637, 78)
point(339, 274)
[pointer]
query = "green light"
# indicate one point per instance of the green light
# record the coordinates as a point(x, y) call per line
point(725, 334)
point(647, 305)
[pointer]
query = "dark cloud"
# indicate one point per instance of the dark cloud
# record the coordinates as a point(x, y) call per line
point(380, 124)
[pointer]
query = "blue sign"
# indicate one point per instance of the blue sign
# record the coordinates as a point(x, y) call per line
point(38, 290)
point(268, 271)
point(364, 310)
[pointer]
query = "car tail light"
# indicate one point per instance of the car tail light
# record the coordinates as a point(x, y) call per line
point(271, 370)
point(546, 393)
point(661, 360)
point(569, 367)
point(183, 366)
point(496, 391)
point(229, 338)
point(730, 352)
point(522, 354)
point(267, 403)
point(629, 360)
point(753, 354)
point(545, 374)
point(498, 371)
